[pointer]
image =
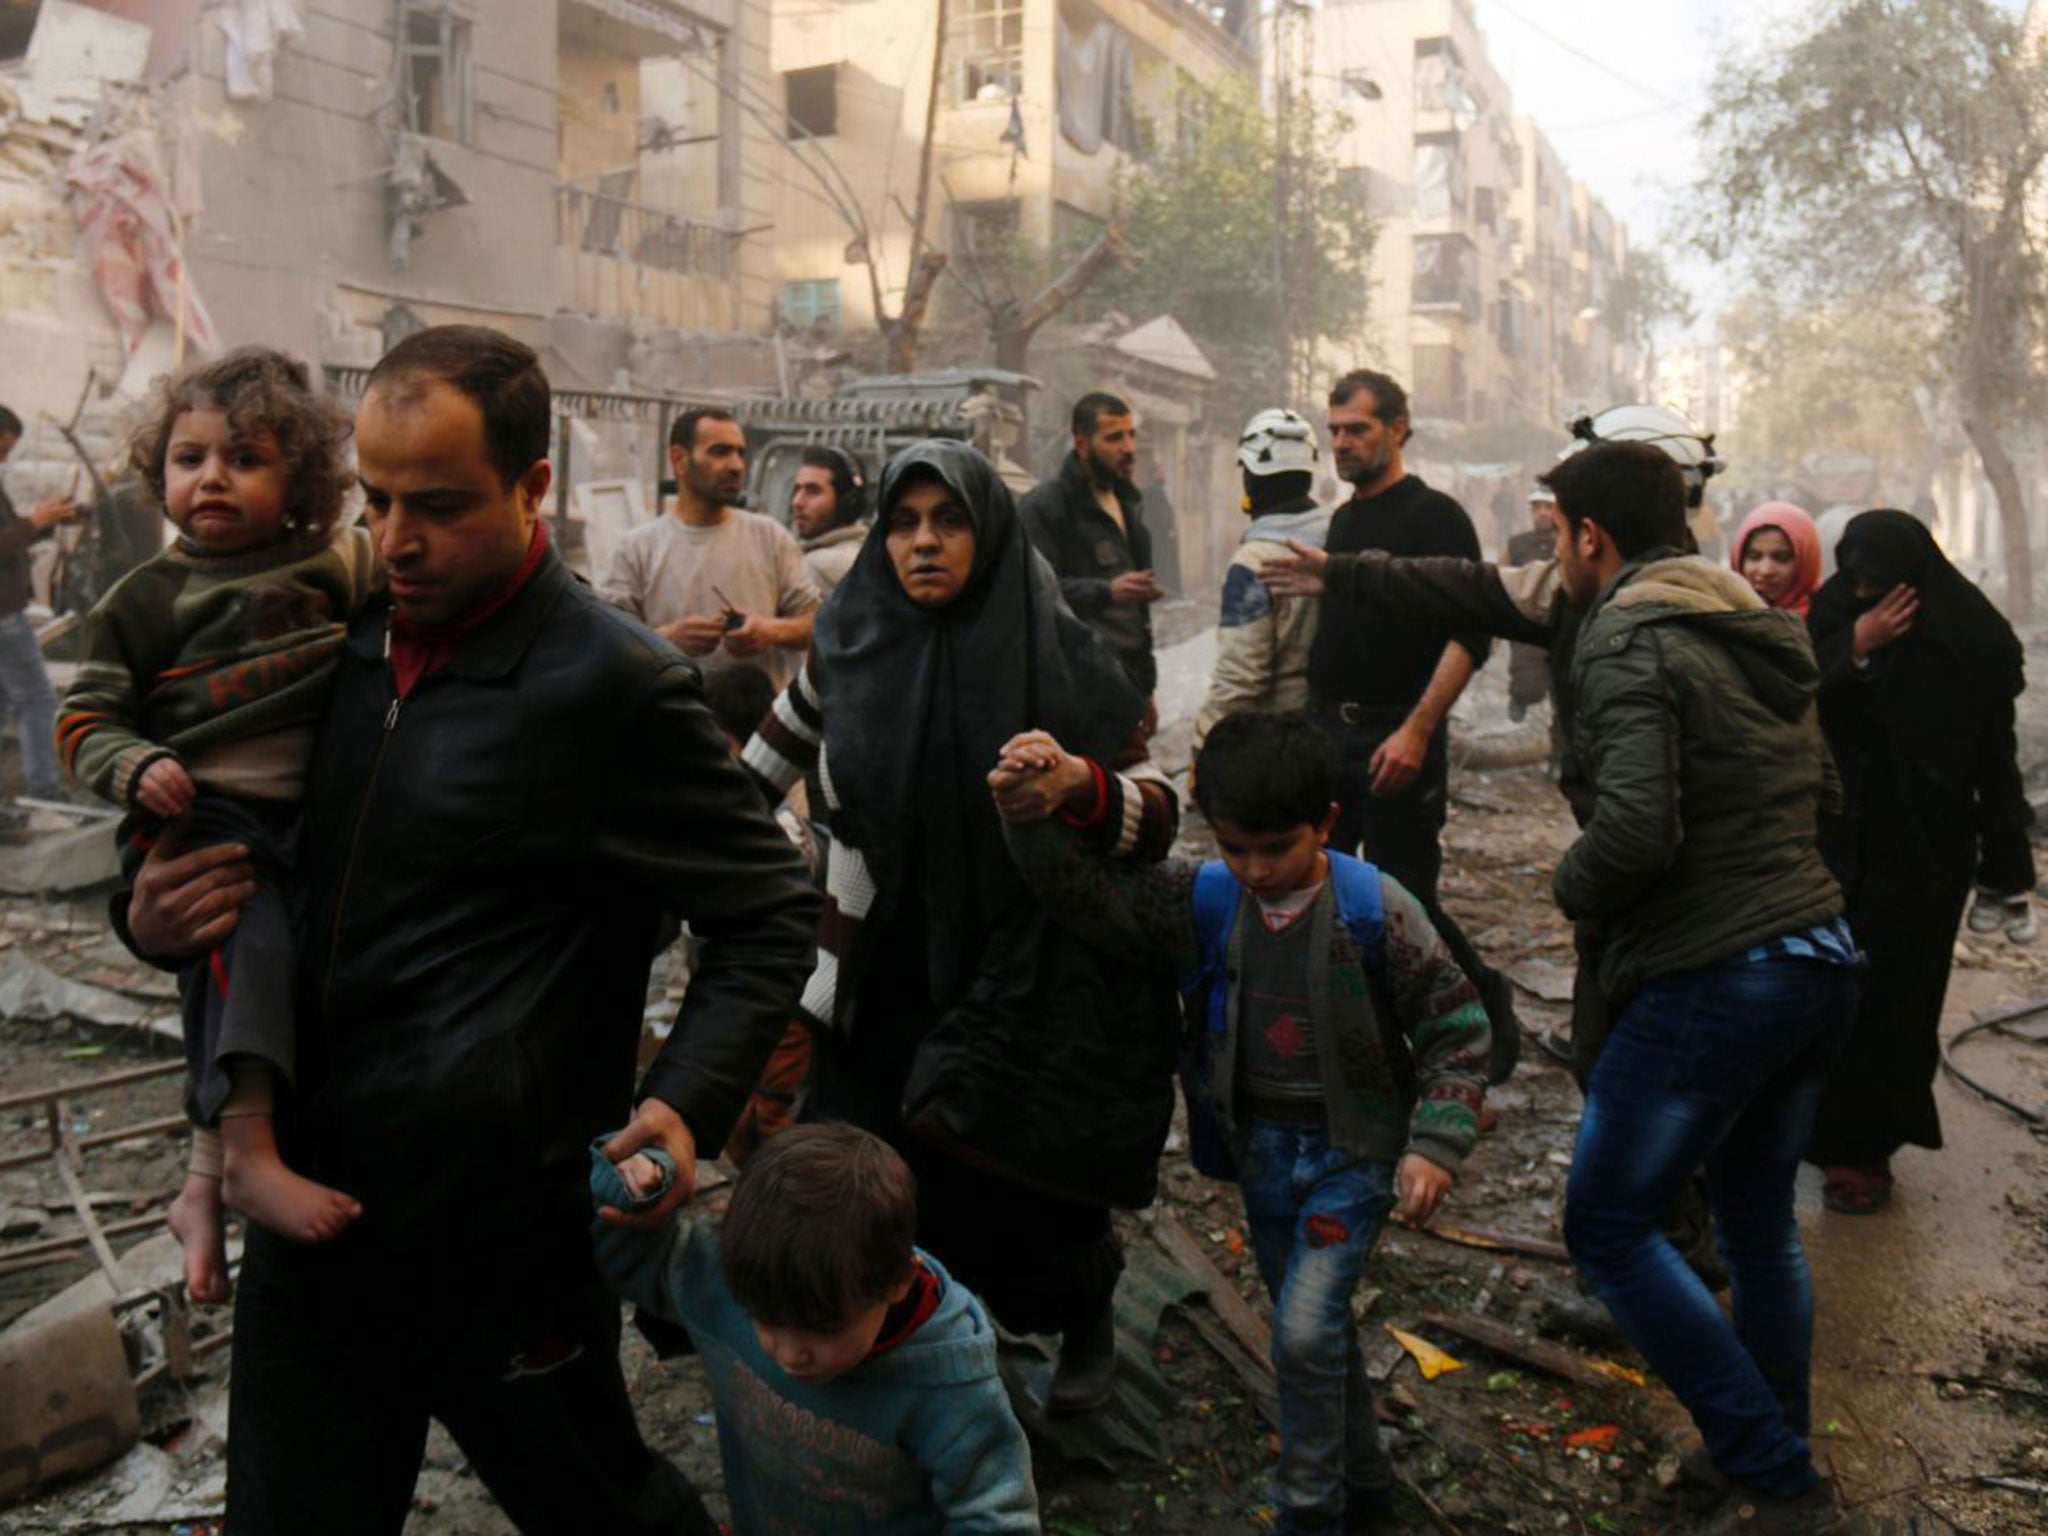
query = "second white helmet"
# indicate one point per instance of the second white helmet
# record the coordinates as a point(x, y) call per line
point(1278, 442)
point(1692, 449)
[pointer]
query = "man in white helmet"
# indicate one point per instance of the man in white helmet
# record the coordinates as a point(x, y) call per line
point(1263, 642)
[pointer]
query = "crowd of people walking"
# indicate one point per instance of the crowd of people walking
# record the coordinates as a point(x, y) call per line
point(412, 808)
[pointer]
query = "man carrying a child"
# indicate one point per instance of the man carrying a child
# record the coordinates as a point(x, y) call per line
point(512, 783)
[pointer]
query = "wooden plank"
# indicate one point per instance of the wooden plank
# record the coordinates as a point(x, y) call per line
point(1498, 1242)
point(1245, 1325)
point(1500, 1339)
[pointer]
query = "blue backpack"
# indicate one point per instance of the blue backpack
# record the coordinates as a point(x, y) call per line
point(1217, 897)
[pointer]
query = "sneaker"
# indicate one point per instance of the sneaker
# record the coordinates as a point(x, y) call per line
point(2020, 927)
point(2015, 914)
point(1987, 913)
point(1816, 1512)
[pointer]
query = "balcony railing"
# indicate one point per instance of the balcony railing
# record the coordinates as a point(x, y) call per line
point(601, 224)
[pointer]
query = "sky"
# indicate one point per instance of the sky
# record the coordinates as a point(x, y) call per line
point(1618, 85)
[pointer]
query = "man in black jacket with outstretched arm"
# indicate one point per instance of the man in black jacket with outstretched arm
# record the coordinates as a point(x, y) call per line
point(513, 783)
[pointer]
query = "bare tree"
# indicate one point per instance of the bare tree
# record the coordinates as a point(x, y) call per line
point(1896, 148)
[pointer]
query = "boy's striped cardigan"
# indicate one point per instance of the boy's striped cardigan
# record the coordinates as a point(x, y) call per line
point(1136, 816)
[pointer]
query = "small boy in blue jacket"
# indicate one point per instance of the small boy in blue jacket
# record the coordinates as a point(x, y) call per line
point(1338, 1060)
point(854, 1382)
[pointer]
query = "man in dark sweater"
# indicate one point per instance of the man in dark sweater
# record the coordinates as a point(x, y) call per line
point(1089, 524)
point(24, 681)
point(1383, 686)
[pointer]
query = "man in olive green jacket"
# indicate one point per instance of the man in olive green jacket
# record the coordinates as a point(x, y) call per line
point(1700, 865)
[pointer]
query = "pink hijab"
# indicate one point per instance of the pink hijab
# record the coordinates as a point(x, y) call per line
point(1798, 527)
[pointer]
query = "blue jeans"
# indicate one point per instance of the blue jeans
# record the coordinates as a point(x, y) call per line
point(25, 684)
point(1315, 1214)
point(1721, 1066)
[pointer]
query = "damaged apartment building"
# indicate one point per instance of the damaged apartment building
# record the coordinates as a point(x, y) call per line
point(178, 176)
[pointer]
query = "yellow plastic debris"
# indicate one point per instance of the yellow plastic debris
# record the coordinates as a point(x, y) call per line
point(1621, 1373)
point(1430, 1360)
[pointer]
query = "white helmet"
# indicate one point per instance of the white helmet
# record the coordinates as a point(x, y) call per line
point(1659, 424)
point(1278, 442)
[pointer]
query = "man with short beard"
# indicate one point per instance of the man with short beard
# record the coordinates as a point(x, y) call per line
point(828, 511)
point(725, 586)
point(512, 786)
point(1088, 523)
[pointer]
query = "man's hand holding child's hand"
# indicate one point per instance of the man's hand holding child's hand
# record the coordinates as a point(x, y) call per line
point(653, 1124)
point(1419, 1188)
point(1036, 777)
point(166, 788)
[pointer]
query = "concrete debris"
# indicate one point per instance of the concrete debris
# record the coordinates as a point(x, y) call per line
point(32, 991)
point(75, 53)
point(148, 1266)
point(66, 1402)
point(145, 1487)
point(1544, 979)
point(57, 862)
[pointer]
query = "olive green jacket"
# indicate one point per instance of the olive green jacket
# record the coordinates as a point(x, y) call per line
point(1696, 723)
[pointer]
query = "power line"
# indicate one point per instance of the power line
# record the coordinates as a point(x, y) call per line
point(1582, 56)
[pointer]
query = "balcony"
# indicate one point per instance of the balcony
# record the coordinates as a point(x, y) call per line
point(1447, 277)
point(623, 260)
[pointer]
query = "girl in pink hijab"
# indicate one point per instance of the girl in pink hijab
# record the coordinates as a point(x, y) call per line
point(1777, 551)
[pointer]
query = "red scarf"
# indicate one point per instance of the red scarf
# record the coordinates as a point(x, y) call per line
point(418, 651)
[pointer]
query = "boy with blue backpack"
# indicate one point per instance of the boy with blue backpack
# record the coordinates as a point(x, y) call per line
point(1337, 1064)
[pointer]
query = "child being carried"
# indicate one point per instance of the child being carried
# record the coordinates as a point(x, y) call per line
point(202, 678)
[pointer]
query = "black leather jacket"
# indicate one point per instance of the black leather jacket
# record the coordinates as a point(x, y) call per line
point(1087, 552)
point(485, 869)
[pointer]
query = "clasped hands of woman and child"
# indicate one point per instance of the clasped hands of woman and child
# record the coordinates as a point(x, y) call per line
point(1035, 778)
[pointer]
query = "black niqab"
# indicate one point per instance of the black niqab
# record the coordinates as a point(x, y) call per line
point(1930, 688)
point(918, 701)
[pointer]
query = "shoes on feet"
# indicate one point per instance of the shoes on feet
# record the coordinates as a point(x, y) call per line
point(1086, 1372)
point(1856, 1191)
point(1816, 1512)
point(2015, 914)
point(1369, 1511)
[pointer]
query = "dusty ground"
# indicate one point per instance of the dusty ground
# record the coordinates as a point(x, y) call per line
point(1931, 1360)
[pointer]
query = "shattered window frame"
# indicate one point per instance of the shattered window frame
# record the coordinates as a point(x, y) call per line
point(988, 40)
point(441, 106)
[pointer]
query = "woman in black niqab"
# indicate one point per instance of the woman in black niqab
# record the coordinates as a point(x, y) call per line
point(1922, 730)
point(1027, 1080)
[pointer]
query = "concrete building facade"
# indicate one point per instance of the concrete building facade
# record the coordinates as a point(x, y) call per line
point(1040, 106)
point(1492, 266)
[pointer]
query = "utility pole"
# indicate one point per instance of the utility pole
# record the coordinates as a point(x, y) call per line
point(1282, 296)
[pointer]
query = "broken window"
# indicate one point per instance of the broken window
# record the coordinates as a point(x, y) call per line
point(812, 305)
point(811, 99)
point(437, 75)
point(988, 40)
point(1439, 177)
